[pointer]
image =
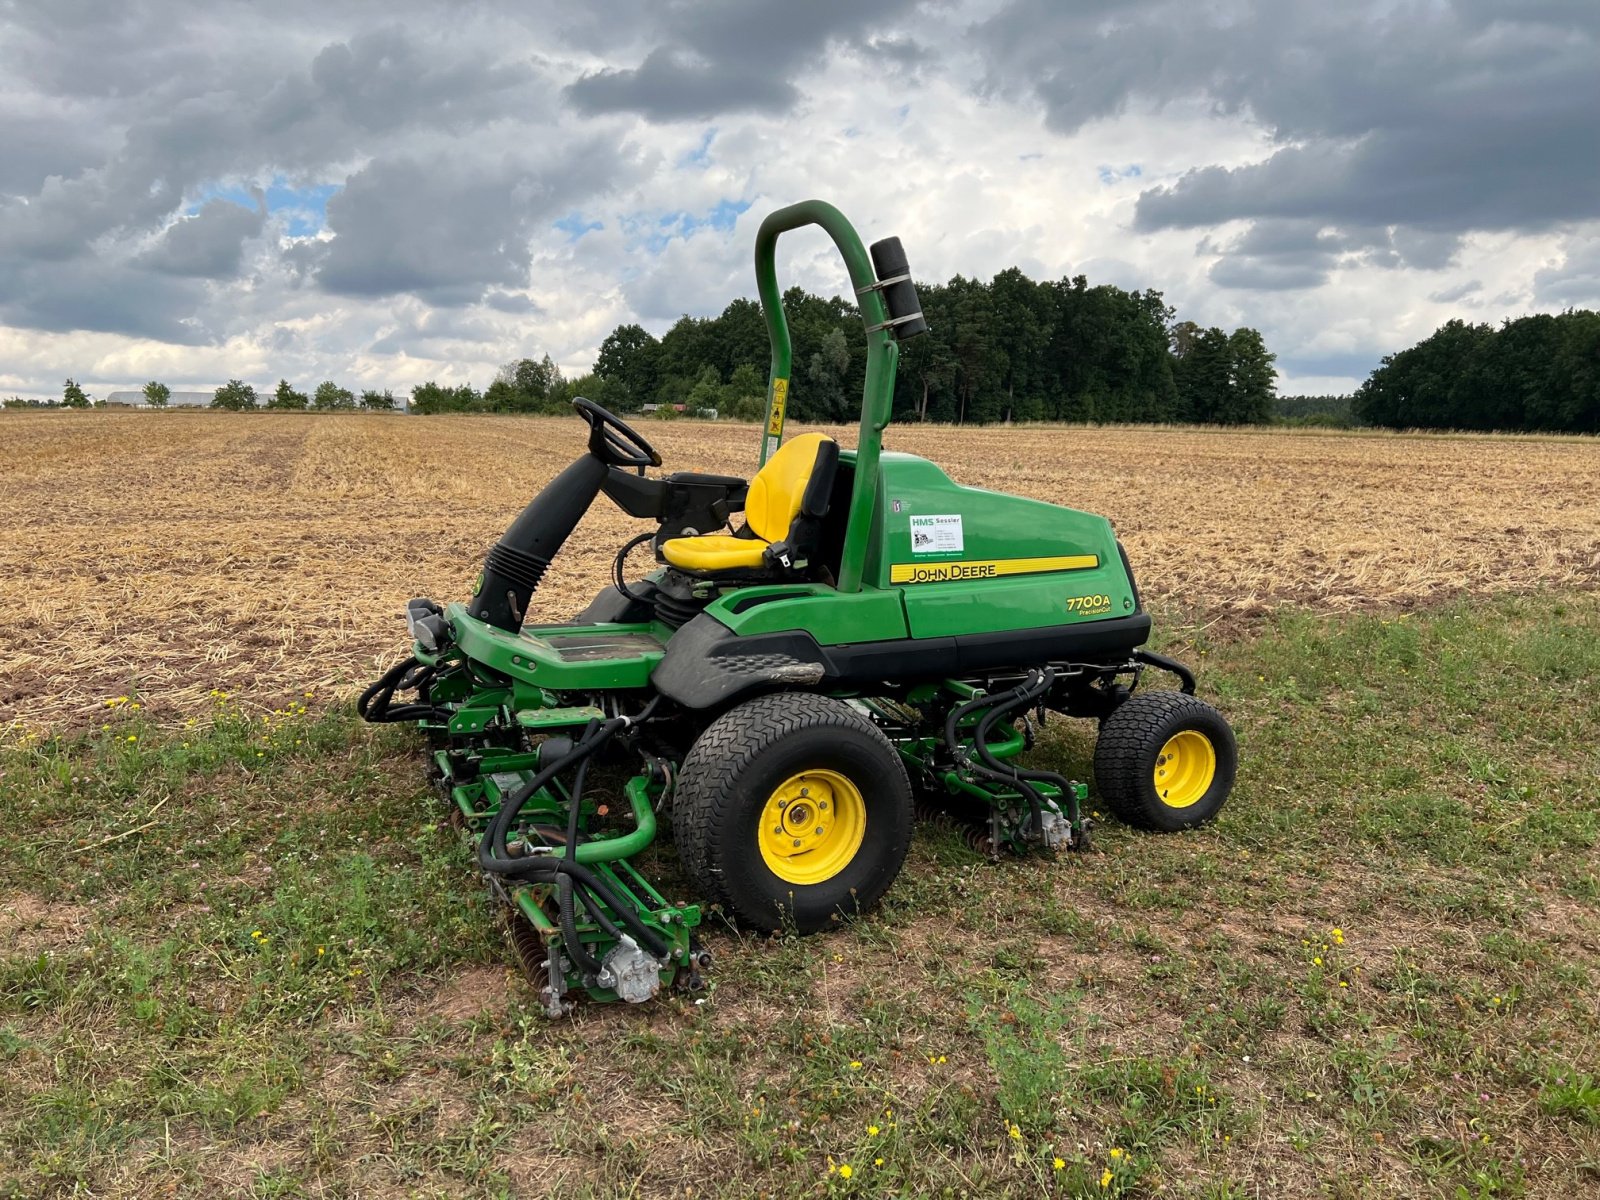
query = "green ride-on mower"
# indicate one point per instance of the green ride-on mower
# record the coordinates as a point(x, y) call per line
point(872, 644)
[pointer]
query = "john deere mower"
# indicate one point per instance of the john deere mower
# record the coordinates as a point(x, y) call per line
point(869, 643)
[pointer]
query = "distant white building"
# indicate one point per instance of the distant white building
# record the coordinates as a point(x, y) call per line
point(177, 399)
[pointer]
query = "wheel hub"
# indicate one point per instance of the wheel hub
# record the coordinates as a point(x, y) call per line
point(1185, 768)
point(811, 827)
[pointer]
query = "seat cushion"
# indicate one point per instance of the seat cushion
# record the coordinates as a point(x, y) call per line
point(712, 552)
point(778, 490)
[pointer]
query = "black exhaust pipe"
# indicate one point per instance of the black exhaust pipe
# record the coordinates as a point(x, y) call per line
point(519, 559)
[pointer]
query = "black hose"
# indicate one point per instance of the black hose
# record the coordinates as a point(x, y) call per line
point(376, 703)
point(999, 770)
point(547, 869)
point(619, 567)
point(997, 706)
point(564, 902)
point(587, 963)
point(574, 835)
point(494, 857)
point(1060, 782)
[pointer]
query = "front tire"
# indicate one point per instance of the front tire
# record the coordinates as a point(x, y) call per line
point(792, 811)
point(1165, 761)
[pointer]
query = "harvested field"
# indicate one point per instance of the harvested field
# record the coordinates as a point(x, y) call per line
point(270, 554)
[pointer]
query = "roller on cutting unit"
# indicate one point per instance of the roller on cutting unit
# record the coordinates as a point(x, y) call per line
point(821, 652)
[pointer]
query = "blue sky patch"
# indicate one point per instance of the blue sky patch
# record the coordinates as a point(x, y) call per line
point(653, 232)
point(304, 210)
point(1110, 174)
point(700, 156)
point(575, 226)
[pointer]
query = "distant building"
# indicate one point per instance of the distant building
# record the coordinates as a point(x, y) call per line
point(177, 399)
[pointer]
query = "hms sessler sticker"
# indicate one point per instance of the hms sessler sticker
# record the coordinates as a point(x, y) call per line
point(936, 534)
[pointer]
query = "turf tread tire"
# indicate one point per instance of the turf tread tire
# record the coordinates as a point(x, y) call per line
point(1125, 753)
point(711, 810)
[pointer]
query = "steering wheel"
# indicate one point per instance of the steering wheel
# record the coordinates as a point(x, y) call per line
point(613, 441)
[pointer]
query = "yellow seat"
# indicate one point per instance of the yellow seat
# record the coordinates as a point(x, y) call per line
point(714, 552)
point(793, 483)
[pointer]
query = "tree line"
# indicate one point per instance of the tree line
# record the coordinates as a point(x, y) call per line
point(1011, 349)
point(1016, 349)
point(235, 395)
point(1539, 372)
point(328, 396)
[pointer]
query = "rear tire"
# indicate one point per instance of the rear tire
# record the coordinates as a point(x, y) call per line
point(792, 811)
point(1165, 761)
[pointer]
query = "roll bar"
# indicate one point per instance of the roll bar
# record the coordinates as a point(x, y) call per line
point(889, 309)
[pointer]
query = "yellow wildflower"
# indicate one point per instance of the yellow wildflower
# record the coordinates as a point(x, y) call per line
point(877, 1162)
point(1059, 1163)
point(1105, 1179)
point(1117, 1152)
point(1317, 961)
point(844, 1171)
point(872, 1131)
point(855, 1064)
point(1015, 1133)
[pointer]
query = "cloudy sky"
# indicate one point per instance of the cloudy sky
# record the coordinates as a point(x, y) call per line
point(383, 193)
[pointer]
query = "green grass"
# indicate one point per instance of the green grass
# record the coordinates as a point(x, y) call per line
point(244, 958)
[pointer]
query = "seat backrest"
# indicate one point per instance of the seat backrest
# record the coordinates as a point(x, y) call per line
point(795, 482)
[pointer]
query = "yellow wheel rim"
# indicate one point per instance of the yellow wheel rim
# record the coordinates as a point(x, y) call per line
point(1185, 768)
point(812, 826)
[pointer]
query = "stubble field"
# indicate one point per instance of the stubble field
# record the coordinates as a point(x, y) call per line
point(177, 553)
point(242, 955)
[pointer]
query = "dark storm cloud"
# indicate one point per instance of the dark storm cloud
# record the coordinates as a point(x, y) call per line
point(39, 145)
point(1286, 253)
point(729, 56)
point(181, 104)
point(207, 245)
point(106, 298)
point(671, 85)
point(450, 226)
point(1428, 120)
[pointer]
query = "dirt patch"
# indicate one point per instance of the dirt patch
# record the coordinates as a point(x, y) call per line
point(30, 925)
point(469, 993)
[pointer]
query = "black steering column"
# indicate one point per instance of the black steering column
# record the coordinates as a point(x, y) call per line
point(518, 561)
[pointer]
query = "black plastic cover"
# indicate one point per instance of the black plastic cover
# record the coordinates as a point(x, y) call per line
point(888, 261)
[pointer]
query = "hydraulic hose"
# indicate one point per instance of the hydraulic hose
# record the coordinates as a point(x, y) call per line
point(376, 703)
point(619, 567)
point(1021, 696)
point(1024, 694)
point(587, 963)
point(494, 857)
point(1046, 682)
point(564, 902)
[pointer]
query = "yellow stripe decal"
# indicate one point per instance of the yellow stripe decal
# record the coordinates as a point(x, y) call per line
point(943, 572)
